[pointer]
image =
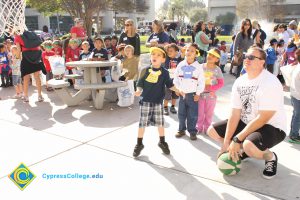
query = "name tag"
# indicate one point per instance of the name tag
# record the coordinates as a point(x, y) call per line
point(187, 75)
point(125, 38)
point(152, 78)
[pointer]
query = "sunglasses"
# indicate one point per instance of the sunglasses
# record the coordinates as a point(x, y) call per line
point(128, 24)
point(252, 57)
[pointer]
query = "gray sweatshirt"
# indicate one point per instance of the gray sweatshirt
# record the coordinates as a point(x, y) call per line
point(295, 83)
point(242, 43)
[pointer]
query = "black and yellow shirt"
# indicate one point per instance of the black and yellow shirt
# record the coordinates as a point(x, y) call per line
point(153, 82)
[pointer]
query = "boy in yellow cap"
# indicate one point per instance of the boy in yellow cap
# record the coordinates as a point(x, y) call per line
point(151, 89)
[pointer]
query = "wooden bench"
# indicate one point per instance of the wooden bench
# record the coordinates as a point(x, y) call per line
point(98, 91)
point(73, 76)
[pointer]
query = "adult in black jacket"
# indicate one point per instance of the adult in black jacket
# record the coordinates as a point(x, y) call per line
point(263, 35)
point(130, 36)
point(29, 44)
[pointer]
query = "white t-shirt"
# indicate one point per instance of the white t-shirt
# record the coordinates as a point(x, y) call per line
point(295, 83)
point(291, 32)
point(265, 92)
point(284, 36)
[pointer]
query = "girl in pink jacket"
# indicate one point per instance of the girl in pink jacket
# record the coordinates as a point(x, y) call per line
point(213, 81)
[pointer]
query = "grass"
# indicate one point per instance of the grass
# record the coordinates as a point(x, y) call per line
point(145, 49)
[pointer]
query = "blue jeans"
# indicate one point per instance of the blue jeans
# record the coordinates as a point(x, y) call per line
point(188, 113)
point(295, 123)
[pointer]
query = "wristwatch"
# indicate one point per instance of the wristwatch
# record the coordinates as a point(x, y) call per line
point(237, 140)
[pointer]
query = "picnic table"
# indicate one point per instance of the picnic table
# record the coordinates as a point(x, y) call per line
point(92, 83)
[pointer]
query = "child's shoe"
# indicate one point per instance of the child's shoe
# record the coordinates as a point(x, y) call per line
point(173, 110)
point(137, 150)
point(25, 99)
point(193, 137)
point(16, 96)
point(40, 99)
point(166, 111)
point(164, 147)
point(179, 134)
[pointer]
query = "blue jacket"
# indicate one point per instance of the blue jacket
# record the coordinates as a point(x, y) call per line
point(271, 56)
point(4, 62)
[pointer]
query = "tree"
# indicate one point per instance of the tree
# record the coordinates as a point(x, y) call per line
point(226, 19)
point(197, 14)
point(86, 9)
point(46, 7)
point(161, 14)
point(179, 9)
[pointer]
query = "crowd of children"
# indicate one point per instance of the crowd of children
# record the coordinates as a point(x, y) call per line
point(175, 73)
point(74, 50)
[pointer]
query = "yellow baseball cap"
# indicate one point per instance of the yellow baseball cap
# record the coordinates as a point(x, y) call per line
point(214, 53)
point(158, 49)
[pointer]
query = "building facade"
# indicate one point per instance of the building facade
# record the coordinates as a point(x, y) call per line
point(63, 22)
point(277, 12)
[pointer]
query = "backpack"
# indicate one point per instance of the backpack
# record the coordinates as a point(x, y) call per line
point(31, 40)
point(262, 36)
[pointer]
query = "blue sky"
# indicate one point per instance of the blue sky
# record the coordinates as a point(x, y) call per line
point(158, 3)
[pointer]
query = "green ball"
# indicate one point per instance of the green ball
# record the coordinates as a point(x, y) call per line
point(227, 166)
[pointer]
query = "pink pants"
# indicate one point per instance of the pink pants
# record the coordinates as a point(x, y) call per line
point(206, 107)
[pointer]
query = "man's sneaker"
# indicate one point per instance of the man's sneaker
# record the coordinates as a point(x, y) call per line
point(137, 150)
point(193, 137)
point(244, 156)
point(166, 111)
point(270, 168)
point(295, 138)
point(173, 110)
point(180, 134)
point(164, 147)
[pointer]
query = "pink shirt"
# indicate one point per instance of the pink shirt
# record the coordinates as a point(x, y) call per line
point(19, 40)
point(79, 31)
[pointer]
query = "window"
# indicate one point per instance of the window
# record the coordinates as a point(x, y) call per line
point(32, 22)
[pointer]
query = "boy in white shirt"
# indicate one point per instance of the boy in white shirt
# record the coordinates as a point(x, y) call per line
point(189, 79)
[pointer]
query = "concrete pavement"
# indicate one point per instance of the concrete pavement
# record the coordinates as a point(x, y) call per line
point(51, 138)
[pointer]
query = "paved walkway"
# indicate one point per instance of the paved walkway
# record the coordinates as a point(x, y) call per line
point(51, 138)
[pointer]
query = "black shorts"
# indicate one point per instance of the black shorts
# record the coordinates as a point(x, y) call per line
point(169, 94)
point(264, 138)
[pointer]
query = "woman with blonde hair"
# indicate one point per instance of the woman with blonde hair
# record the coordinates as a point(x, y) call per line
point(256, 32)
point(158, 37)
point(131, 37)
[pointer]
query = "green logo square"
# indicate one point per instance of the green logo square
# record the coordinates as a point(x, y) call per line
point(21, 176)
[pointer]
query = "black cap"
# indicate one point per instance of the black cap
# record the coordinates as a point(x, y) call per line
point(273, 41)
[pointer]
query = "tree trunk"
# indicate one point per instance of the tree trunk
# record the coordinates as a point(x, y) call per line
point(98, 21)
point(88, 25)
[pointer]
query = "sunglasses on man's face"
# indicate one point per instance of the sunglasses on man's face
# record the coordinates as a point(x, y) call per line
point(128, 24)
point(252, 57)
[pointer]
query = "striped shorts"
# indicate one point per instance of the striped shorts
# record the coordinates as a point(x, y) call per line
point(151, 114)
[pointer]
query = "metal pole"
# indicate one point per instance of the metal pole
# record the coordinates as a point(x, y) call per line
point(57, 18)
point(115, 21)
